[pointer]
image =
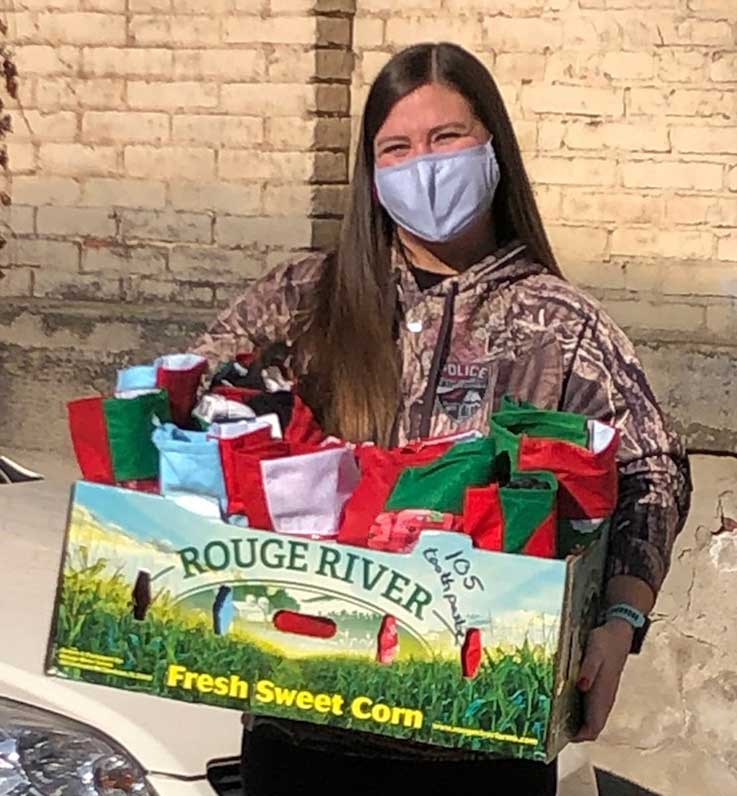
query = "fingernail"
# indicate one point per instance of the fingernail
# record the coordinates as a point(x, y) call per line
point(583, 683)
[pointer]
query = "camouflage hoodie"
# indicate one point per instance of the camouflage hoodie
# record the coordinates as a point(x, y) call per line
point(504, 326)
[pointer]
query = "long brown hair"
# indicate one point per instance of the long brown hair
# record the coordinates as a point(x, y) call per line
point(354, 369)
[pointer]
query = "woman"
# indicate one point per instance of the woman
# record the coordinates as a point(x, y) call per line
point(444, 295)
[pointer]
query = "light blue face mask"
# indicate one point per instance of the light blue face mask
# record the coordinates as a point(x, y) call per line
point(436, 197)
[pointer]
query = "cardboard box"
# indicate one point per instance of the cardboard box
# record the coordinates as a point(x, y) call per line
point(156, 597)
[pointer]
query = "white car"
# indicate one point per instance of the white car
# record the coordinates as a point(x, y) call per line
point(73, 739)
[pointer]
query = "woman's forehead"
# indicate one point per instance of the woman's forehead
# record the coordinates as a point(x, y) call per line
point(426, 108)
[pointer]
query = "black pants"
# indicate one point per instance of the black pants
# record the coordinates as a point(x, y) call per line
point(272, 766)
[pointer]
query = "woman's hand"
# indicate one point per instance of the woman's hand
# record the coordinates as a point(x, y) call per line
point(606, 653)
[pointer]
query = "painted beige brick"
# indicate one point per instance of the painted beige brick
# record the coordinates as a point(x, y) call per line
point(573, 100)
point(723, 68)
point(292, 232)
point(577, 171)
point(22, 157)
point(194, 31)
point(654, 174)
point(681, 66)
point(290, 132)
point(219, 197)
point(732, 179)
point(372, 62)
point(48, 283)
point(288, 200)
point(75, 221)
point(333, 31)
point(168, 96)
point(600, 275)
point(628, 66)
point(551, 134)
point(193, 163)
point(220, 130)
point(127, 61)
point(120, 192)
point(710, 210)
point(644, 137)
point(404, 31)
point(367, 32)
point(727, 248)
point(268, 99)
point(166, 226)
point(723, 9)
point(258, 166)
point(83, 28)
point(149, 6)
point(718, 140)
point(431, 7)
point(292, 64)
point(53, 254)
point(696, 31)
point(513, 8)
point(692, 210)
point(216, 6)
point(580, 204)
point(77, 159)
point(43, 59)
point(503, 34)
point(721, 319)
point(21, 220)
point(680, 102)
point(43, 190)
point(273, 30)
point(123, 260)
point(225, 64)
point(111, 126)
point(209, 263)
point(15, 282)
point(684, 279)
point(650, 242)
point(284, 6)
point(577, 243)
point(592, 32)
point(114, 6)
point(144, 289)
point(41, 5)
point(75, 94)
point(673, 316)
point(32, 124)
point(548, 199)
point(512, 67)
point(526, 133)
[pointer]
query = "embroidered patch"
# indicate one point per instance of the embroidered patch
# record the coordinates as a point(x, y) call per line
point(462, 389)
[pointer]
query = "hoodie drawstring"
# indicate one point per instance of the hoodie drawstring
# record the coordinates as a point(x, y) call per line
point(438, 361)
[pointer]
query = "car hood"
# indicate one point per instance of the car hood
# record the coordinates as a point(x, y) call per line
point(165, 736)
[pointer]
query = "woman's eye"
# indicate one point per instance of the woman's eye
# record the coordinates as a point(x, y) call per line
point(392, 150)
point(447, 136)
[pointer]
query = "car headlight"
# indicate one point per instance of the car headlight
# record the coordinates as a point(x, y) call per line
point(44, 754)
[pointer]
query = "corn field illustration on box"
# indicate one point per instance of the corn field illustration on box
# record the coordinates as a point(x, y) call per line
point(446, 645)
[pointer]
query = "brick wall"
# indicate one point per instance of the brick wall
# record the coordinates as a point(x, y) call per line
point(168, 148)
point(167, 151)
point(626, 112)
